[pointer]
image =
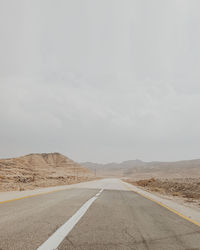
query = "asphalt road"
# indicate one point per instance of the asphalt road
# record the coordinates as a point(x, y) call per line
point(117, 219)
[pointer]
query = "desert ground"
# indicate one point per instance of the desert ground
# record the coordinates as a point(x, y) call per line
point(179, 180)
point(182, 190)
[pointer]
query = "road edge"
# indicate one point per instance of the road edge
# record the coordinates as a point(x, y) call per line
point(159, 202)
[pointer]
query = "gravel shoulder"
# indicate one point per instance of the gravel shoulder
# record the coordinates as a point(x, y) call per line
point(15, 195)
point(110, 183)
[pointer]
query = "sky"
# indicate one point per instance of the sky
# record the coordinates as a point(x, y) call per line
point(100, 80)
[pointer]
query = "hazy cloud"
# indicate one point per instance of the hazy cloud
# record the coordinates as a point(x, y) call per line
point(100, 80)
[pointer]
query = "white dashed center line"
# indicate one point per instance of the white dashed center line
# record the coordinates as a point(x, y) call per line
point(55, 239)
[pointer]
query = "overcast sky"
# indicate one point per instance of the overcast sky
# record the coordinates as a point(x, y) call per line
point(100, 80)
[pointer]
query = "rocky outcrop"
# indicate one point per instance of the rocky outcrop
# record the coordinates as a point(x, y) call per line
point(40, 170)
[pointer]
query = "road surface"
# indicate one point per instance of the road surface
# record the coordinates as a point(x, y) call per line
point(116, 218)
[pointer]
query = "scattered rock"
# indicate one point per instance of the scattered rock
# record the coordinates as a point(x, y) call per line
point(40, 170)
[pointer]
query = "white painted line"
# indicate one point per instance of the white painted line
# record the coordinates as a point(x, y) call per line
point(99, 193)
point(55, 239)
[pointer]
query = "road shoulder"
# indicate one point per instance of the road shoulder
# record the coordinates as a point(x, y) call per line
point(186, 212)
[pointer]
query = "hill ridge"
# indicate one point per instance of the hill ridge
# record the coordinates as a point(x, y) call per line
point(139, 168)
point(39, 170)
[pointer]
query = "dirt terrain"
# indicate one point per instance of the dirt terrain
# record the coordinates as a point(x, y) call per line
point(187, 188)
point(40, 170)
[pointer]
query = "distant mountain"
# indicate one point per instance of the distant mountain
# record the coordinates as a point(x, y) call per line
point(114, 169)
point(131, 163)
point(37, 170)
point(140, 169)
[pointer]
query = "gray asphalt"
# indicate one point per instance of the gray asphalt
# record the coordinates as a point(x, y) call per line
point(27, 223)
point(116, 220)
point(125, 220)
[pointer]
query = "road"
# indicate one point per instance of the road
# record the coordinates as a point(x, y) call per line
point(117, 218)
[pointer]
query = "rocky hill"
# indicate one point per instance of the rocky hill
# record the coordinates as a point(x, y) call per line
point(40, 170)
